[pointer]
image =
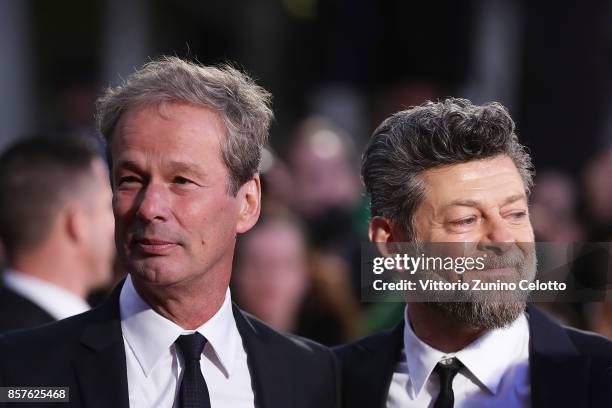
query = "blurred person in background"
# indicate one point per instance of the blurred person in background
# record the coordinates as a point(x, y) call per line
point(271, 274)
point(452, 171)
point(326, 191)
point(553, 208)
point(322, 162)
point(56, 226)
point(294, 290)
point(553, 214)
point(597, 186)
point(592, 268)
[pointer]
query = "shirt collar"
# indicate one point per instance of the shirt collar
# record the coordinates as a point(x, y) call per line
point(150, 335)
point(487, 358)
point(60, 303)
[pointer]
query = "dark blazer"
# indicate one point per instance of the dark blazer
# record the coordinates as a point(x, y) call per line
point(17, 312)
point(568, 367)
point(86, 353)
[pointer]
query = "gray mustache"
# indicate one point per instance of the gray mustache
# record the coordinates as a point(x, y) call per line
point(508, 260)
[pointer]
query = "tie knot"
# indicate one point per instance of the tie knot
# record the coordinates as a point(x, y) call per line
point(191, 346)
point(448, 368)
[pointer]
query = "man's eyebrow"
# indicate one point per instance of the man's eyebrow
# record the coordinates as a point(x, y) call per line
point(514, 198)
point(127, 164)
point(186, 167)
point(475, 203)
point(462, 203)
point(173, 167)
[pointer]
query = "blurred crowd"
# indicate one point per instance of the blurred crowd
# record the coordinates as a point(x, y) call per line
point(336, 69)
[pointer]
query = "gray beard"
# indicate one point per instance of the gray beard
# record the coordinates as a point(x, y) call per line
point(492, 309)
point(481, 315)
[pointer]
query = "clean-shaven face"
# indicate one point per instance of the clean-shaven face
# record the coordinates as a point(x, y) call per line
point(175, 217)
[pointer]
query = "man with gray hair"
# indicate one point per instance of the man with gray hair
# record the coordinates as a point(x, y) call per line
point(454, 172)
point(185, 142)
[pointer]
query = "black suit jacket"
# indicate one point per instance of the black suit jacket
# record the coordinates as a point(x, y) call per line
point(86, 353)
point(568, 368)
point(17, 312)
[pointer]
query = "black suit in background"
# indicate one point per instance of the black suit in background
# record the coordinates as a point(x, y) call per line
point(568, 368)
point(86, 353)
point(17, 312)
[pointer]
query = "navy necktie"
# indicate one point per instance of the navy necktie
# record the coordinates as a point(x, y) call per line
point(193, 392)
point(447, 370)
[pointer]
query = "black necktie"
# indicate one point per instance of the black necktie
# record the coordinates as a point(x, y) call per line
point(447, 370)
point(193, 392)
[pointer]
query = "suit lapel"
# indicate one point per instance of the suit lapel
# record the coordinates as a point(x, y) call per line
point(374, 369)
point(269, 379)
point(559, 374)
point(100, 364)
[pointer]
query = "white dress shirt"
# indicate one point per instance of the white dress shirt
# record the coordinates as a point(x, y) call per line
point(154, 367)
point(60, 303)
point(495, 372)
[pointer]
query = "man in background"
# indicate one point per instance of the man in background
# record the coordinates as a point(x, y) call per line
point(56, 227)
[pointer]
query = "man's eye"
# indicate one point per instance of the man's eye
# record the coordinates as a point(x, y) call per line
point(518, 215)
point(464, 222)
point(128, 180)
point(182, 180)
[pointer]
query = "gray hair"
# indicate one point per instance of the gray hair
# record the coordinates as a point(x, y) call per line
point(431, 135)
point(244, 106)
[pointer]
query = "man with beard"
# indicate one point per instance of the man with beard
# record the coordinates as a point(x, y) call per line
point(454, 172)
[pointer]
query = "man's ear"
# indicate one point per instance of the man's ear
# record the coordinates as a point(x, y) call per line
point(384, 233)
point(382, 229)
point(75, 223)
point(250, 204)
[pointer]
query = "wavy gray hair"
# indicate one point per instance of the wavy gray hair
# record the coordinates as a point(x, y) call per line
point(243, 106)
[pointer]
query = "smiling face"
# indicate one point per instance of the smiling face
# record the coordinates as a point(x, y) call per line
point(175, 218)
point(481, 204)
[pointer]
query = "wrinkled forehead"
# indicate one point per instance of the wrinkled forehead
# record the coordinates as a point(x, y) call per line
point(167, 129)
point(490, 181)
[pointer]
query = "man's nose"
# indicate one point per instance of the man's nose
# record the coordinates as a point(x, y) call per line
point(153, 204)
point(498, 237)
